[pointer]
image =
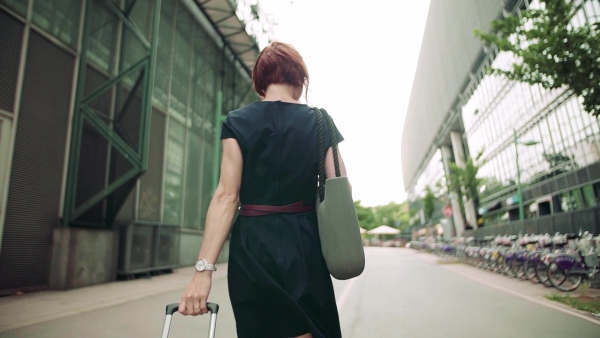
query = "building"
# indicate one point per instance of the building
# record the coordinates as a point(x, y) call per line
point(540, 138)
point(110, 113)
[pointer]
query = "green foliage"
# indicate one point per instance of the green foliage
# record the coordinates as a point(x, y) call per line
point(392, 214)
point(429, 202)
point(464, 181)
point(550, 51)
point(366, 217)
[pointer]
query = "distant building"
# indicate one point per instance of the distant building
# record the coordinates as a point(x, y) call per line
point(110, 114)
point(457, 110)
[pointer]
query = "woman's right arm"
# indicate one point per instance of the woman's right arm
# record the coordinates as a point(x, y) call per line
point(330, 167)
point(218, 225)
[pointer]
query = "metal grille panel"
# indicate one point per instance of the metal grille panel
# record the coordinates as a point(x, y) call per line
point(37, 168)
point(11, 39)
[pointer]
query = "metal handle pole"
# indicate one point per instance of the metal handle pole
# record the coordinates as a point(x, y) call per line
point(165, 333)
point(213, 325)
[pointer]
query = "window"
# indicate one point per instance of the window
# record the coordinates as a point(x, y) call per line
point(59, 18)
point(103, 37)
point(19, 6)
point(589, 197)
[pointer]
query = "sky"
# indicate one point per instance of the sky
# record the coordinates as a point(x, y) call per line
point(361, 58)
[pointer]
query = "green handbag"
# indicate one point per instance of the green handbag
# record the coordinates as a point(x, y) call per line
point(339, 230)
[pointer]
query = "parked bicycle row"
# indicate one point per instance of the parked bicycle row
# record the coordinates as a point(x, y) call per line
point(563, 261)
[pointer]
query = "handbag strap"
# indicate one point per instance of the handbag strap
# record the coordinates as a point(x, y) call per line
point(323, 115)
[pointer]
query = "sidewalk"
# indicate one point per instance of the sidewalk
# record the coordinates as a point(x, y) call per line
point(36, 307)
point(517, 287)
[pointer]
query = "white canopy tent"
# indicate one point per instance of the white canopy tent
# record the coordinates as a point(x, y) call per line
point(384, 230)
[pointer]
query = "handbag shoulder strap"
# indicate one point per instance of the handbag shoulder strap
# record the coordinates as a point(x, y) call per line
point(334, 142)
point(323, 115)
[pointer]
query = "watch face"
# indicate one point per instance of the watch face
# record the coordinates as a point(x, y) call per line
point(201, 265)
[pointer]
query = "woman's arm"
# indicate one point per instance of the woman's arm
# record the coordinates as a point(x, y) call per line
point(330, 166)
point(218, 225)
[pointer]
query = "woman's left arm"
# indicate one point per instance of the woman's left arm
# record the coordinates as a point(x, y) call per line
point(218, 225)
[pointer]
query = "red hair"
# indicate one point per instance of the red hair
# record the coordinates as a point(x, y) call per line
point(278, 63)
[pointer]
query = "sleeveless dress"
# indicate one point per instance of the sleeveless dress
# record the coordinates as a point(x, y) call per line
point(278, 282)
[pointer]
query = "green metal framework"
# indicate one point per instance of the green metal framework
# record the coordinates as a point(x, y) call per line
point(142, 72)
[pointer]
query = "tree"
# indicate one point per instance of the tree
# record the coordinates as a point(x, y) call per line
point(550, 50)
point(464, 181)
point(429, 202)
point(366, 217)
point(392, 214)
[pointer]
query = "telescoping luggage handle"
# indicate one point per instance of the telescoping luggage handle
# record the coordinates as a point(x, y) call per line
point(172, 308)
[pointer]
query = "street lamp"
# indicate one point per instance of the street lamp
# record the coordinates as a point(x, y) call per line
point(519, 189)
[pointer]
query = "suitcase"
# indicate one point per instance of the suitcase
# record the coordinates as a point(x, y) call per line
point(213, 308)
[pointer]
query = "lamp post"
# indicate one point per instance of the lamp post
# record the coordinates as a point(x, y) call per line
point(519, 188)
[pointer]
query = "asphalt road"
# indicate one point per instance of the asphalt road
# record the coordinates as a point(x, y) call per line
point(402, 293)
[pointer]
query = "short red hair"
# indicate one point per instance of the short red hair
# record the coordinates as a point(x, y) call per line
point(278, 63)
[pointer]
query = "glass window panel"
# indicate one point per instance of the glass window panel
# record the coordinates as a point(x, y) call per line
point(193, 183)
point(163, 55)
point(575, 115)
point(180, 75)
point(578, 202)
point(60, 18)
point(151, 181)
point(567, 202)
point(207, 176)
point(103, 37)
point(19, 6)
point(588, 193)
point(141, 16)
point(174, 172)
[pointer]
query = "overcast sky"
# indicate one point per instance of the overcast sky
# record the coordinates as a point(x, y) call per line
point(361, 57)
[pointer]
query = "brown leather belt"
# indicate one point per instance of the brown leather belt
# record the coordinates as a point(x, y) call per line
point(261, 210)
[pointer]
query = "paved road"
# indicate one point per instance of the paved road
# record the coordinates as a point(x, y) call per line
point(402, 293)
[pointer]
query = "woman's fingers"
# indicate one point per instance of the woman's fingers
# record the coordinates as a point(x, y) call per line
point(193, 301)
point(193, 305)
point(203, 308)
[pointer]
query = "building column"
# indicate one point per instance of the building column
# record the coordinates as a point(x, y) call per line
point(459, 159)
point(456, 212)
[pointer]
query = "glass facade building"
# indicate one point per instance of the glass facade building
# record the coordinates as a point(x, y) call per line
point(543, 135)
point(110, 114)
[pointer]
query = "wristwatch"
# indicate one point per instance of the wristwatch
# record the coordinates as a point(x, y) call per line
point(202, 265)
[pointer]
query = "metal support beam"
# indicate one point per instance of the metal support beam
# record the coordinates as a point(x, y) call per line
point(121, 146)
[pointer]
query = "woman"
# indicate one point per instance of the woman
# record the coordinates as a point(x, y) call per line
point(278, 282)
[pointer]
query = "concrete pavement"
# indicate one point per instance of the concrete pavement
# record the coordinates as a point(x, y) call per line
point(37, 307)
point(516, 287)
point(49, 307)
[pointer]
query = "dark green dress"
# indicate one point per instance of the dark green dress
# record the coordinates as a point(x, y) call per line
point(278, 281)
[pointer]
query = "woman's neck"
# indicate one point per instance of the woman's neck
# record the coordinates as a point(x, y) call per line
point(282, 92)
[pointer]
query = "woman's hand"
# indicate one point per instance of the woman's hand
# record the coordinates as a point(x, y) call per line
point(193, 301)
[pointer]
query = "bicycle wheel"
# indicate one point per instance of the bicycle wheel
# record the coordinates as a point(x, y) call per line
point(505, 266)
point(541, 272)
point(516, 267)
point(561, 279)
point(491, 262)
point(529, 270)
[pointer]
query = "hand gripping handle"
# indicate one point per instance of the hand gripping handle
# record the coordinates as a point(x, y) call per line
point(172, 308)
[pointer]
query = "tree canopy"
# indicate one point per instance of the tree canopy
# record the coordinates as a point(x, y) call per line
point(396, 215)
point(550, 49)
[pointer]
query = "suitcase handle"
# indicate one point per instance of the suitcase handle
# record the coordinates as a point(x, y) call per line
point(212, 307)
point(172, 308)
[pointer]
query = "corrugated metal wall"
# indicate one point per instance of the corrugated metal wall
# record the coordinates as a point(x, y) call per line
point(37, 168)
point(11, 38)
